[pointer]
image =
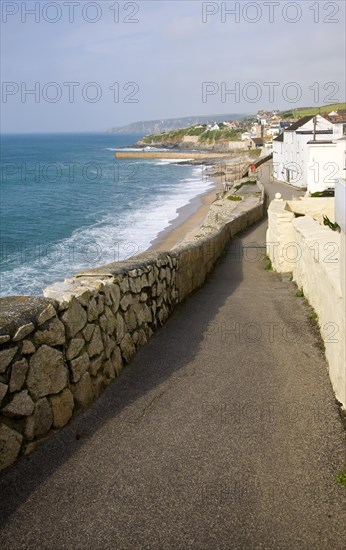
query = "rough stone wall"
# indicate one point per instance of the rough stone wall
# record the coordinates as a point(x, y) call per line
point(237, 145)
point(59, 352)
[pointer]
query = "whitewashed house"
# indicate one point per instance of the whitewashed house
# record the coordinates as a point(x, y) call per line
point(214, 126)
point(273, 131)
point(326, 163)
point(310, 154)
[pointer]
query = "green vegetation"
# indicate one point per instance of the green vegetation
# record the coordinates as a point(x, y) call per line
point(313, 321)
point(341, 478)
point(307, 111)
point(300, 293)
point(225, 134)
point(268, 266)
point(326, 193)
point(333, 226)
point(220, 135)
point(174, 135)
point(205, 136)
point(234, 198)
point(314, 318)
point(195, 131)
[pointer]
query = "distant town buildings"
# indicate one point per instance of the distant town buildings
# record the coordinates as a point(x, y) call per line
point(254, 143)
point(309, 153)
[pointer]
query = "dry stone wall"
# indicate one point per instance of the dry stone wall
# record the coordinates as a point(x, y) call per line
point(60, 351)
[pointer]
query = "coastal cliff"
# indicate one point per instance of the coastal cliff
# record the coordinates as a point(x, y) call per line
point(200, 137)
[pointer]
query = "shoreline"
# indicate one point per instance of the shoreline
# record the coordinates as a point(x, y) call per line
point(192, 215)
point(189, 220)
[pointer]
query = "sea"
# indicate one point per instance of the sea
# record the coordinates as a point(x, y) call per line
point(68, 204)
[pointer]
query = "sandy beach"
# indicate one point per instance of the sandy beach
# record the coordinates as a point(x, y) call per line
point(191, 216)
point(189, 220)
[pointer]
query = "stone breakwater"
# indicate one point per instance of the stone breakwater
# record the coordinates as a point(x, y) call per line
point(168, 155)
point(59, 352)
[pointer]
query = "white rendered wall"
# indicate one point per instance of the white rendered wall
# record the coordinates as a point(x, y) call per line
point(315, 256)
point(326, 163)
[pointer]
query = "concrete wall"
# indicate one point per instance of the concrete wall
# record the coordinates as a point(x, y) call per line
point(237, 145)
point(326, 163)
point(168, 155)
point(312, 253)
point(58, 353)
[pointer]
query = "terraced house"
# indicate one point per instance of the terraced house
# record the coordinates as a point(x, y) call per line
point(310, 153)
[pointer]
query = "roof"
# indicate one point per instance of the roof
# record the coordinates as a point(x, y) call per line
point(299, 123)
point(316, 132)
point(280, 137)
point(257, 141)
point(317, 142)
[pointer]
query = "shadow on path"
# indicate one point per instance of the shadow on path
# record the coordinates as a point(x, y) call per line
point(222, 433)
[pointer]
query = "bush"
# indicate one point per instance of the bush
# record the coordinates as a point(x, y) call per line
point(326, 193)
point(341, 478)
point(234, 198)
point(333, 226)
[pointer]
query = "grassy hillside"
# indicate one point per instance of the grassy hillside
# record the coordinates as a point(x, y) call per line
point(307, 111)
point(204, 135)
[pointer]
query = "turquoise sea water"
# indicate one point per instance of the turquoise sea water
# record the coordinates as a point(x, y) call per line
point(68, 204)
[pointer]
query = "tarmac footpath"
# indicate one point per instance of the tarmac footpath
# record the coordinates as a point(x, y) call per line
point(223, 433)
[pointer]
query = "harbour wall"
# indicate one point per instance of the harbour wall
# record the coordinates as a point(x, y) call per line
point(167, 155)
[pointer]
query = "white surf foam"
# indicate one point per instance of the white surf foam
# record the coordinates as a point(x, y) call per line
point(112, 238)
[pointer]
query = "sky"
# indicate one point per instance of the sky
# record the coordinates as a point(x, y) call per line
point(80, 66)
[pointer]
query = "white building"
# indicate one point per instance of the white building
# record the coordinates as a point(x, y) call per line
point(273, 130)
point(310, 154)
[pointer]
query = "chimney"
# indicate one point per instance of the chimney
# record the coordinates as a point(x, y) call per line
point(259, 131)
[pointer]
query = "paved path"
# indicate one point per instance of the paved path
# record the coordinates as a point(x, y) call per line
point(222, 434)
point(273, 186)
